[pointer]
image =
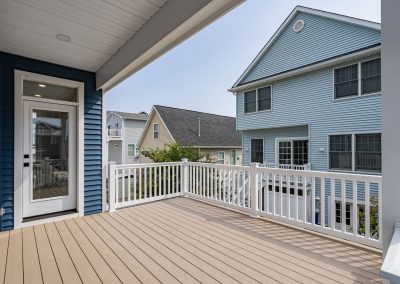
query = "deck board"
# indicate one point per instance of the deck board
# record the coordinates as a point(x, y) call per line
point(179, 240)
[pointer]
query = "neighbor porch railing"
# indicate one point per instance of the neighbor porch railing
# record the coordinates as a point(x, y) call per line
point(347, 206)
point(114, 132)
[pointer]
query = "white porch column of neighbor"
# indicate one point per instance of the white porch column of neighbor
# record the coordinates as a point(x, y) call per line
point(391, 130)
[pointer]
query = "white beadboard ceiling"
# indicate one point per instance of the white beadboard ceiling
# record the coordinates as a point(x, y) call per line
point(98, 28)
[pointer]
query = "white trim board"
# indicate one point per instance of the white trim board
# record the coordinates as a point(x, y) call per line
point(284, 25)
point(19, 76)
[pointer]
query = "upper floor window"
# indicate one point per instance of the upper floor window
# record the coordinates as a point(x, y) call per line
point(258, 100)
point(156, 130)
point(356, 152)
point(257, 151)
point(358, 79)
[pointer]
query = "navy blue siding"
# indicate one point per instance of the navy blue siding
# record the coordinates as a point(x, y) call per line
point(93, 131)
point(321, 38)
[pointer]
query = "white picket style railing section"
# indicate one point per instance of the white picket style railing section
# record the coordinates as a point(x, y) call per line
point(347, 206)
point(140, 183)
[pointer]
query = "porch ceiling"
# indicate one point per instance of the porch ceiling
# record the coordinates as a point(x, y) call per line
point(106, 36)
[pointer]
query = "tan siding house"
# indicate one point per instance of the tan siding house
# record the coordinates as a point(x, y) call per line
point(214, 135)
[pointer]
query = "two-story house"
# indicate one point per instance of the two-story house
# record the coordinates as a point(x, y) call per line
point(123, 132)
point(311, 99)
point(215, 136)
point(312, 96)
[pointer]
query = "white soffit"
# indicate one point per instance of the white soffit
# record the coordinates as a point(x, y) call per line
point(97, 28)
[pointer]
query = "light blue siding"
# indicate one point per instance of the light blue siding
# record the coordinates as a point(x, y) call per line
point(321, 39)
point(308, 100)
point(269, 136)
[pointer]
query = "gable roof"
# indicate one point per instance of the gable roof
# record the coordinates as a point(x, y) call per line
point(128, 115)
point(183, 125)
point(288, 20)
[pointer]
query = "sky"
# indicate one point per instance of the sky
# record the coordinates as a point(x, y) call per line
point(196, 74)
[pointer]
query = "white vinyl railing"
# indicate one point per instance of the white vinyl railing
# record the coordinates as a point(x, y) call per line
point(347, 206)
point(287, 166)
point(390, 269)
point(139, 183)
point(114, 132)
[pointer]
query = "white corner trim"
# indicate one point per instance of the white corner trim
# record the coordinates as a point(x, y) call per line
point(19, 76)
point(291, 16)
point(104, 151)
point(310, 68)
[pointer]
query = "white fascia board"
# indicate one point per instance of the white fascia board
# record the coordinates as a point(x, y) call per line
point(325, 64)
point(295, 11)
point(173, 23)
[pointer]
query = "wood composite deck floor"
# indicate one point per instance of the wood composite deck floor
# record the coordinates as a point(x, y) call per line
point(179, 241)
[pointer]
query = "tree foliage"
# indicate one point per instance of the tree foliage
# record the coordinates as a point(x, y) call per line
point(173, 153)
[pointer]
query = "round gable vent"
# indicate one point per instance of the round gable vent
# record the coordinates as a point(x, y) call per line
point(298, 26)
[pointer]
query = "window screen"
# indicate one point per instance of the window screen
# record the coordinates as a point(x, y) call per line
point(371, 76)
point(257, 151)
point(368, 152)
point(340, 153)
point(250, 101)
point(346, 81)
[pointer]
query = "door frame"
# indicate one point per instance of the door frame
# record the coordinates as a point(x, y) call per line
point(19, 77)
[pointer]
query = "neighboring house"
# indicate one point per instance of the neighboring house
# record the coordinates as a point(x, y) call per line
point(312, 96)
point(123, 132)
point(214, 135)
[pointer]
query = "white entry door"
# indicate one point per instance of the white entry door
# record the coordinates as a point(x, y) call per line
point(49, 158)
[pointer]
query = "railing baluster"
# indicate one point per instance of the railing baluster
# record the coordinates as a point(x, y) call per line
point(123, 186)
point(266, 193)
point(145, 183)
point(164, 180)
point(288, 183)
point(296, 197)
point(322, 203)
point(208, 181)
point(220, 185)
point(313, 180)
point(343, 202)
point(129, 184)
point(367, 210)
point(380, 212)
point(273, 176)
point(355, 207)
point(281, 195)
point(243, 188)
point(173, 179)
point(305, 200)
point(333, 204)
point(140, 184)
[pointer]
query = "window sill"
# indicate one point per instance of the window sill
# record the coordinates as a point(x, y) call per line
point(257, 112)
point(356, 97)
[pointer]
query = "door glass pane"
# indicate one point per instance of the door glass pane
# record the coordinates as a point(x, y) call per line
point(49, 153)
point(49, 91)
point(300, 149)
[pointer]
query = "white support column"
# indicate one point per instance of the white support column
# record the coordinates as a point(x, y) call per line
point(112, 180)
point(390, 118)
point(253, 175)
point(185, 173)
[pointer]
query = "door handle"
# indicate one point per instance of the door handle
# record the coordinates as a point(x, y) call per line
point(26, 165)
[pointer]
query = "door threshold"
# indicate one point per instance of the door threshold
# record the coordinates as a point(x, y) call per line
point(47, 218)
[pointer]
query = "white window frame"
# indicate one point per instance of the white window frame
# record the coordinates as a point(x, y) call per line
point(158, 131)
point(263, 147)
point(359, 93)
point(290, 139)
point(257, 111)
point(353, 152)
point(218, 159)
point(134, 149)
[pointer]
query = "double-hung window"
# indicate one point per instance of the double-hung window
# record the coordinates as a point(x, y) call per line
point(355, 152)
point(221, 157)
point(156, 130)
point(359, 79)
point(258, 100)
point(257, 151)
point(131, 150)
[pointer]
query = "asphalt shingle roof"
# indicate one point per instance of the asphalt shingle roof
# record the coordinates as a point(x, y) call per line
point(127, 115)
point(215, 130)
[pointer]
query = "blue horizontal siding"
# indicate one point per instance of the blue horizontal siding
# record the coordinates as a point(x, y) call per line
point(269, 136)
point(308, 100)
point(92, 129)
point(321, 38)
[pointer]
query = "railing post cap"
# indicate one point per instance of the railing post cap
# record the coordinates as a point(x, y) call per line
point(185, 160)
point(255, 165)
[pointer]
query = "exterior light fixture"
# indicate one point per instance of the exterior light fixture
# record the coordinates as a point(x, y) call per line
point(42, 85)
point(38, 95)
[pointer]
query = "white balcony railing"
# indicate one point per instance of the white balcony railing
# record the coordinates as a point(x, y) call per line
point(114, 132)
point(287, 166)
point(319, 201)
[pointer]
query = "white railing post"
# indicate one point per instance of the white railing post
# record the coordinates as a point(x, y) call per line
point(111, 188)
point(185, 173)
point(253, 175)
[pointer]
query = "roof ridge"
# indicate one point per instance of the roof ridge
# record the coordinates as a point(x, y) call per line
point(195, 111)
